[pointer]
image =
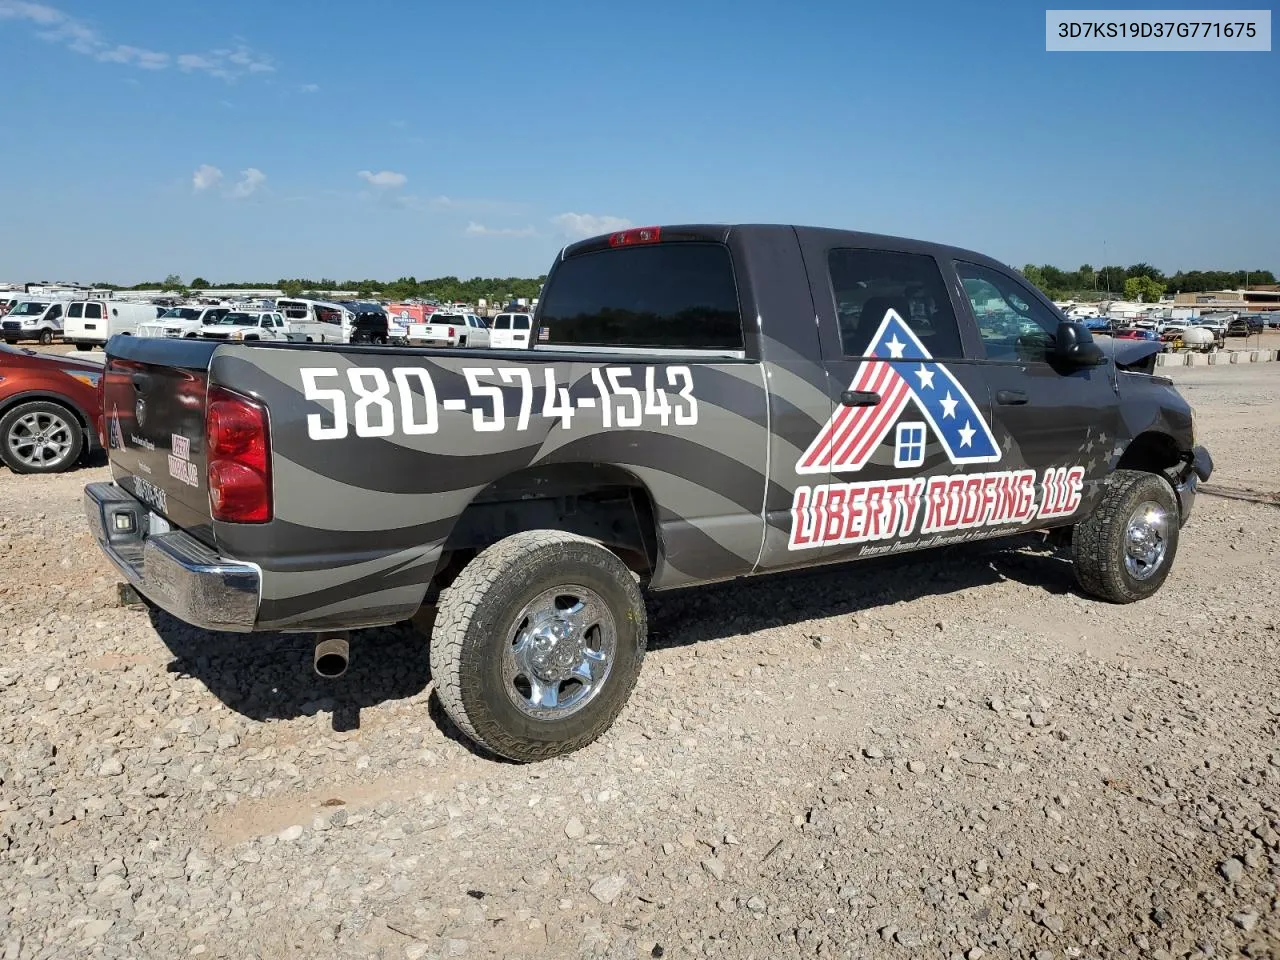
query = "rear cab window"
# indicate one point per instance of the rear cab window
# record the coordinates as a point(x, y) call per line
point(674, 296)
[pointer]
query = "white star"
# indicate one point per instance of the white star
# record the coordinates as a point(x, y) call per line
point(926, 377)
point(896, 347)
point(966, 434)
point(949, 404)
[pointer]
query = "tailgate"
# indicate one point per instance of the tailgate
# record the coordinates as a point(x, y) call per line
point(153, 403)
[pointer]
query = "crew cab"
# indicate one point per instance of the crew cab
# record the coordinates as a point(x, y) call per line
point(247, 325)
point(450, 330)
point(702, 403)
point(181, 322)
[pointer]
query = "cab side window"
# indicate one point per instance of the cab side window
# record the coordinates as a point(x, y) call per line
point(1014, 325)
point(867, 284)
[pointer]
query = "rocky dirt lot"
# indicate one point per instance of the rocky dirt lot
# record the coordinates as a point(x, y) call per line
point(959, 756)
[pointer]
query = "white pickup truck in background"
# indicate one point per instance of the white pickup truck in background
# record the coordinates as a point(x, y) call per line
point(248, 325)
point(450, 330)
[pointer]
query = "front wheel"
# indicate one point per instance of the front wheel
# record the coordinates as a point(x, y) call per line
point(46, 337)
point(538, 643)
point(40, 437)
point(1124, 550)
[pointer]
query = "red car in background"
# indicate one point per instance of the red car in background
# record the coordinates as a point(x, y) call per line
point(49, 410)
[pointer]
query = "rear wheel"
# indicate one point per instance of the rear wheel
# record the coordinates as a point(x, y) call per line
point(40, 437)
point(538, 643)
point(84, 346)
point(1124, 550)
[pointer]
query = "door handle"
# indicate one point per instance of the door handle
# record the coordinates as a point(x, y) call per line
point(860, 398)
point(1011, 398)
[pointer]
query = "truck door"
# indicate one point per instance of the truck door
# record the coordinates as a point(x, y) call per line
point(908, 456)
point(1060, 422)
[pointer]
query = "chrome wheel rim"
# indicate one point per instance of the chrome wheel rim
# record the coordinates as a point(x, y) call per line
point(40, 439)
point(560, 652)
point(1146, 540)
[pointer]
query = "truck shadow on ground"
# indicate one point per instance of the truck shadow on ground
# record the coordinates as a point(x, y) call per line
point(270, 676)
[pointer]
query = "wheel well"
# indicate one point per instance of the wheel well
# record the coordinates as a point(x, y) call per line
point(1152, 452)
point(601, 501)
point(22, 398)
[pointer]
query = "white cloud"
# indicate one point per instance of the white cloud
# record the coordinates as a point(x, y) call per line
point(206, 177)
point(579, 226)
point(250, 180)
point(309, 88)
point(480, 230)
point(80, 37)
point(383, 178)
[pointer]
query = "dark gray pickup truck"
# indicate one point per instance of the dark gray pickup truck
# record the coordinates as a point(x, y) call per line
point(700, 403)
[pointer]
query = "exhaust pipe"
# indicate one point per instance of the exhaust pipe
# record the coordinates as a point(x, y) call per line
point(331, 657)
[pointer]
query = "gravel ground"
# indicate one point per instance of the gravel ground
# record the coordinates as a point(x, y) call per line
point(959, 756)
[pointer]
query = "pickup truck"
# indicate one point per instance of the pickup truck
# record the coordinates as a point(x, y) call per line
point(701, 403)
point(450, 330)
point(248, 325)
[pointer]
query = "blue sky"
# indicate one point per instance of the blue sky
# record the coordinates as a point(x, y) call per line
point(251, 140)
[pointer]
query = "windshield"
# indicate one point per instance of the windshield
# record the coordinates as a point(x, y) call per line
point(238, 320)
point(29, 309)
point(180, 313)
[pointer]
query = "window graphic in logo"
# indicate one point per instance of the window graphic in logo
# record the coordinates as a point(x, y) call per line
point(908, 448)
point(852, 434)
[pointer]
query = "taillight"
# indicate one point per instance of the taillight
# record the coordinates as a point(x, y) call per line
point(238, 450)
point(451, 331)
point(629, 238)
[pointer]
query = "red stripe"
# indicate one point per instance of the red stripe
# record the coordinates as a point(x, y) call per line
point(885, 387)
point(838, 425)
point(874, 381)
point(890, 408)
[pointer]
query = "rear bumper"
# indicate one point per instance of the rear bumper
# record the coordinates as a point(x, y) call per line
point(171, 568)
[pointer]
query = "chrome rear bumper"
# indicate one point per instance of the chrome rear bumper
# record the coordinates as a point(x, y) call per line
point(171, 568)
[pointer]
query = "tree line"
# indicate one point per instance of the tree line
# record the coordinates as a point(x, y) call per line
point(444, 289)
point(1139, 281)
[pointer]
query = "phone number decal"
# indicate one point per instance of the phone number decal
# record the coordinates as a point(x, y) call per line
point(368, 402)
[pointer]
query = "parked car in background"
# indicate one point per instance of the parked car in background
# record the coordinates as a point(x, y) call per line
point(372, 326)
point(33, 319)
point(49, 410)
point(1245, 325)
point(7, 304)
point(181, 322)
point(1139, 333)
point(318, 321)
point(91, 323)
point(512, 330)
point(247, 325)
point(450, 330)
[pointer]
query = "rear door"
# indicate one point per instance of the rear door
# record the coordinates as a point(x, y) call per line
point(521, 329)
point(501, 334)
point(1060, 422)
point(908, 457)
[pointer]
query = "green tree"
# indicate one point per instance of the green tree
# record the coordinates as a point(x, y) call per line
point(1143, 288)
point(172, 282)
point(199, 283)
point(291, 288)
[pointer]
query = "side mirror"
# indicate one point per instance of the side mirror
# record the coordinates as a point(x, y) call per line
point(1075, 345)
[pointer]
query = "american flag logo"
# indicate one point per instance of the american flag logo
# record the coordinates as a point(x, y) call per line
point(902, 372)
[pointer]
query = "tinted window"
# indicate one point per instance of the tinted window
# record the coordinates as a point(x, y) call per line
point(867, 284)
point(522, 323)
point(503, 322)
point(75, 310)
point(92, 311)
point(675, 295)
point(1014, 325)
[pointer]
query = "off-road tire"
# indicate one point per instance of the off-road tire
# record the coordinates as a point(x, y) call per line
point(476, 614)
point(16, 413)
point(1098, 542)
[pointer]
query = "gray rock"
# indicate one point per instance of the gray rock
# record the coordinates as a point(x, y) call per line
point(111, 767)
point(574, 829)
point(607, 889)
point(1232, 869)
point(714, 867)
